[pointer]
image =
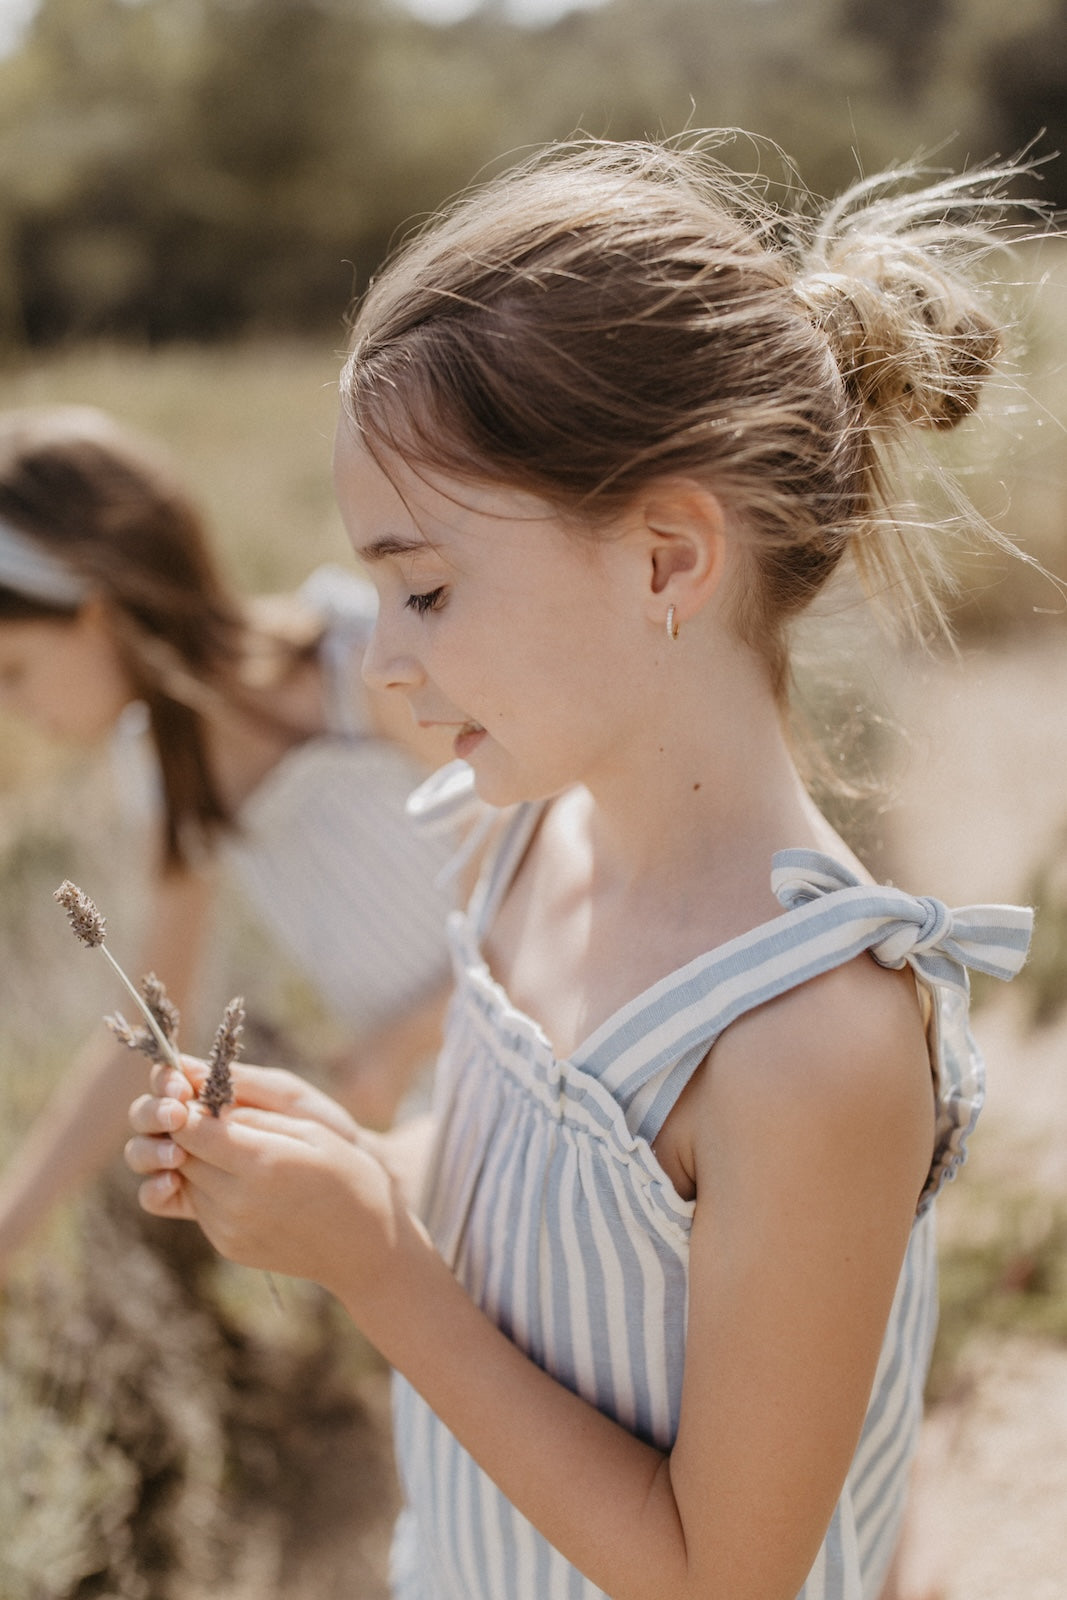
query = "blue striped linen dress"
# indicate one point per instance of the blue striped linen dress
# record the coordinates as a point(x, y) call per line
point(547, 1201)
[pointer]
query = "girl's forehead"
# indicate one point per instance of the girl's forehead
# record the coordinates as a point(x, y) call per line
point(387, 498)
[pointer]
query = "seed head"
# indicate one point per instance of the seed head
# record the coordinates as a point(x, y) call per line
point(218, 1085)
point(161, 1005)
point(133, 1038)
point(89, 926)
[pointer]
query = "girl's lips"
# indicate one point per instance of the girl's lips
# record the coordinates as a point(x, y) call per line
point(470, 735)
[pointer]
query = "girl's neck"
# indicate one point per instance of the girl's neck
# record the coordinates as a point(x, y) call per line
point(662, 853)
point(708, 772)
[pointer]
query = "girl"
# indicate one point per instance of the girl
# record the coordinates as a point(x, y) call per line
point(662, 1308)
point(270, 757)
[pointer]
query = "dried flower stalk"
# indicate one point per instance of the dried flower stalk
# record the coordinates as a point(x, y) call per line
point(133, 1038)
point(217, 1090)
point(159, 1040)
point(89, 926)
point(161, 1006)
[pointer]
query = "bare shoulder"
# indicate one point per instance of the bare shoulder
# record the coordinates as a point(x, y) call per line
point(839, 1064)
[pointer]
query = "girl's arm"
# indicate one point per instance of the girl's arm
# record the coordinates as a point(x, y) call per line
point(812, 1128)
point(85, 1121)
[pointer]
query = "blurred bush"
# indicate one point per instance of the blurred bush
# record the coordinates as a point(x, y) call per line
point(201, 168)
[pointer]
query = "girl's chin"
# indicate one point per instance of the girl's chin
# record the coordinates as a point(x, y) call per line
point(501, 787)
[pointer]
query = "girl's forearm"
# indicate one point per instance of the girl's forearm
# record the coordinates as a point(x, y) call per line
point(602, 1497)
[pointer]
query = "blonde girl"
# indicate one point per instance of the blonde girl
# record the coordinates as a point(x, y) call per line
point(257, 749)
point(658, 1280)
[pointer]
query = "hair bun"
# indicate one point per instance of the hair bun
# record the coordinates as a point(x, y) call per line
point(908, 333)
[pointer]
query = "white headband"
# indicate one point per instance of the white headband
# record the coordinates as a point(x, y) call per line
point(28, 569)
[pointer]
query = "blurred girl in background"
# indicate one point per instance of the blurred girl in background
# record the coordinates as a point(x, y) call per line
point(266, 754)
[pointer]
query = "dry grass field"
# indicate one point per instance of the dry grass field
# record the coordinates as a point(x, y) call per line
point(168, 1432)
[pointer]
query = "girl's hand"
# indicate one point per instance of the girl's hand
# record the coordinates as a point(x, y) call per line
point(283, 1179)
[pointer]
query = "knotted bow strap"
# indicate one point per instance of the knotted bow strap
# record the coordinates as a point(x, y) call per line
point(914, 930)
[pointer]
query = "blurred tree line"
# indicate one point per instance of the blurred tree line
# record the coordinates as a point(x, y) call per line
point(206, 168)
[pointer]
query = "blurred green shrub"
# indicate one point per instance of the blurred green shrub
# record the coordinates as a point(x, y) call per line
point(203, 168)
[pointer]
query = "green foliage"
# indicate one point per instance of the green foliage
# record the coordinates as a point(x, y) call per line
point(1003, 1270)
point(110, 1385)
point(199, 168)
point(167, 1430)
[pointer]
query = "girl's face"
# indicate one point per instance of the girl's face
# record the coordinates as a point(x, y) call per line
point(63, 676)
point(498, 623)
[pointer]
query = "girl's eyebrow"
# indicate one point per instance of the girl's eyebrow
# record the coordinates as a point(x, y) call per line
point(390, 545)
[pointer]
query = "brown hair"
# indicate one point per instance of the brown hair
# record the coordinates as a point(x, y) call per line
point(108, 506)
point(607, 314)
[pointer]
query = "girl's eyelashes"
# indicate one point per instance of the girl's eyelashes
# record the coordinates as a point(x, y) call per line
point(430, 601)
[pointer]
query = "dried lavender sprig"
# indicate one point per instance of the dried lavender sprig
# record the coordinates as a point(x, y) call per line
point(161, 1005)
point(217, 1089)
point(89, 926)
point(168, 1050)
point(133, 1038)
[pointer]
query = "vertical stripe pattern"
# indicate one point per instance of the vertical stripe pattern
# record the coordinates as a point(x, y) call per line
point(548, 1203)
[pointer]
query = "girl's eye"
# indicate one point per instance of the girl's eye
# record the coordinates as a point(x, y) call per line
point(430, 601)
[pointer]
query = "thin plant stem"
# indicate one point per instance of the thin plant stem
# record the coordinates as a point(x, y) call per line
point(161, 1039)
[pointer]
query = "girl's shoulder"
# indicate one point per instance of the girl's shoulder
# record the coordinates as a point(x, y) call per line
point(869, 1031)
point(848, 1046)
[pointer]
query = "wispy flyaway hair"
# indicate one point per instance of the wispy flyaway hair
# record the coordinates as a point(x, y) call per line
point(606, 314)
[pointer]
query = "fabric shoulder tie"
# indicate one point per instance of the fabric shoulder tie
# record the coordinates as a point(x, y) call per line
point(918, 930)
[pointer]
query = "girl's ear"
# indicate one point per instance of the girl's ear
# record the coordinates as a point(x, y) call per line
point(684, 532)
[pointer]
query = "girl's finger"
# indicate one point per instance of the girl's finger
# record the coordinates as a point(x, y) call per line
point(150, 1114)
point(165, 1195)
point(275, 1089)
point(241, 1132)
point(147, 1155)
point(183, 1085)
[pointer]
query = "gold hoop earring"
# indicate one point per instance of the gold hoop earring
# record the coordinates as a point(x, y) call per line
point(672, 626)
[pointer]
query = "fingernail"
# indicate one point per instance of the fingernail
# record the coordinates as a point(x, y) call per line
point(169, 1114)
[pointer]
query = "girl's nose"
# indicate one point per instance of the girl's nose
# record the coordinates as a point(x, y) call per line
point(387, 668)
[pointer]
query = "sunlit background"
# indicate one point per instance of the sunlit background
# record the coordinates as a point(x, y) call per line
point(191, 191)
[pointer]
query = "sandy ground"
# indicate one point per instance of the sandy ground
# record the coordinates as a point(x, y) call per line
point(983, 797)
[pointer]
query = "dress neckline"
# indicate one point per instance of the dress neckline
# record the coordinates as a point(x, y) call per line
point(507, 859)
